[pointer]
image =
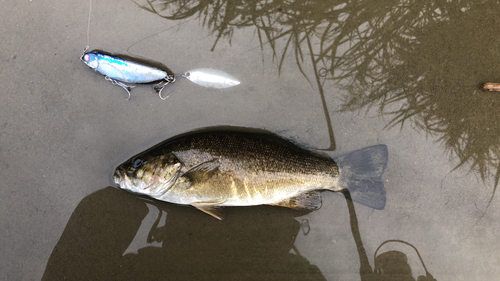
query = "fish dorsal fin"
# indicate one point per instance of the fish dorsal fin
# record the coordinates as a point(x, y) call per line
point(306, 201)
point(210, 208)
point(202, 171)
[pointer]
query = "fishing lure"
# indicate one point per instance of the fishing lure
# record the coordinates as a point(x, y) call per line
point(211, 78)
point(121, 69)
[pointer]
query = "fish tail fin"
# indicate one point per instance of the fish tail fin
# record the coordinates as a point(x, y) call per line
point(361, 173)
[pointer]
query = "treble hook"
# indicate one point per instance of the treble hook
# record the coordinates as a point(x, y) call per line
point(118, 83)
point(159, 87)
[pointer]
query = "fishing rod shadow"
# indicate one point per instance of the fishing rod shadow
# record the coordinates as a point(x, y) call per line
point(252, 243)
point(390, 265)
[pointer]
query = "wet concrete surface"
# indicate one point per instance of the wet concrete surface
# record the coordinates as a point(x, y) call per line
point(63, 130)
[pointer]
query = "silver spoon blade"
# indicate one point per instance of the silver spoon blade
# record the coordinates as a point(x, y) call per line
point(211, 78)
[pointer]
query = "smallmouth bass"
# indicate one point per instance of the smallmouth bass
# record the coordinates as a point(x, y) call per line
point(211, 169)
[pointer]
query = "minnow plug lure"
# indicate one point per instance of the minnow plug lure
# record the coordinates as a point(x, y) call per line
point(121, 69)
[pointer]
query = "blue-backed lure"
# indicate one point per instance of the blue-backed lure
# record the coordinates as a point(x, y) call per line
point(121, 69)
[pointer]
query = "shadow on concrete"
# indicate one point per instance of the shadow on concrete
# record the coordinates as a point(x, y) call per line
point(252, 243)
point(389, 266)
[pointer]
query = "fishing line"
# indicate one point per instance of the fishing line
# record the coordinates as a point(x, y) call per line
point(120, 69)
point(88, 26)
point(149, 36)
point(154, 34)
point(141, 40)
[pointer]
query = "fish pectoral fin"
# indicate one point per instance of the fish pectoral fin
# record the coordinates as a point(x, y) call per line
point(202, 172)
point(210, 208)
point(186, 184)
point(306, 201)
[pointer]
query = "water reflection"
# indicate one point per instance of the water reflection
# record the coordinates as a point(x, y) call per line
point(420, 62)
point(253, 243)
point(431, 78)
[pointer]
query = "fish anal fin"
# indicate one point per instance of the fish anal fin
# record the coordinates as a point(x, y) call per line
point(211, 208)
point(305, 201)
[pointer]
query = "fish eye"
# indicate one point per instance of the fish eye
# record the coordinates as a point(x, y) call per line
point(138, 162)
point(86, 57)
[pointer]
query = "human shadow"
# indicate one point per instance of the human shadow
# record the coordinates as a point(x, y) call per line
point(250, 244)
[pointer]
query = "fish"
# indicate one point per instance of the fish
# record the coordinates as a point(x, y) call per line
point(215, 168)
point(120, 69)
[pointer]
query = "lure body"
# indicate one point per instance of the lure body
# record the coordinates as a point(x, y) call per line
point(123, 70)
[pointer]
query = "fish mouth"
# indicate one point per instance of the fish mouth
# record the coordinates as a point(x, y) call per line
point(117, 177)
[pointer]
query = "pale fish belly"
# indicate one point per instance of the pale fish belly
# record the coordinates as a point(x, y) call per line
point(259, 189)
point(274, 189)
